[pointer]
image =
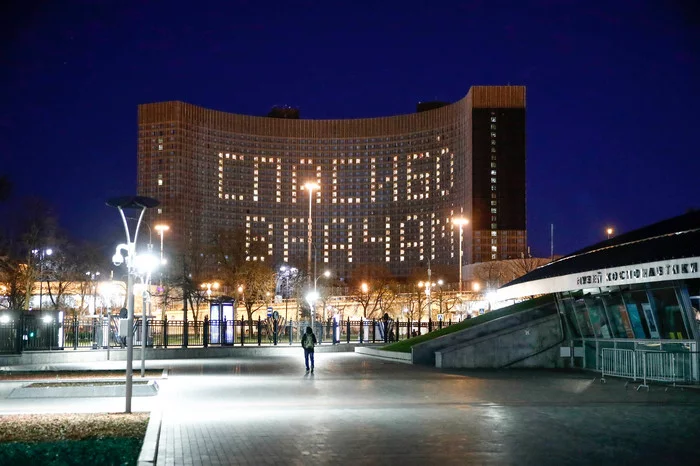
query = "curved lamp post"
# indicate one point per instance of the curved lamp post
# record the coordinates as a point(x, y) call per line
point(126, 253)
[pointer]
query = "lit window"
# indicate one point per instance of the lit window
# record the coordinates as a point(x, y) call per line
point(160, 182)
point(493, 119)
point(493, 210)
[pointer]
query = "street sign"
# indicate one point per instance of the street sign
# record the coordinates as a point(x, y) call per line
point(269, 311)
point(276, 315)
point(441, 317)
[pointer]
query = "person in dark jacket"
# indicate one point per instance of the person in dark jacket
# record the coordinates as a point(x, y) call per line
point(308, 342)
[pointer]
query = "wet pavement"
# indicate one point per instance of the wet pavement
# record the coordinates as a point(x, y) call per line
point(360, 410)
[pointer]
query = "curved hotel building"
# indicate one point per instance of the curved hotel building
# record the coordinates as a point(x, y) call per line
point(388, 188)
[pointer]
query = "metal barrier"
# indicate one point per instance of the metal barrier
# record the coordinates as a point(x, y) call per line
point(618, 363)
point(26, 334)
point(656, 366)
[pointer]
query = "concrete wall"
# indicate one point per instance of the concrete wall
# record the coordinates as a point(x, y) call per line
point(388, 355)
point(80, 356)
point(424, 353)
point(531, 344)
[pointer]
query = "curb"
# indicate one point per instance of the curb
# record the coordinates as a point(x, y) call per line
point(149, 449)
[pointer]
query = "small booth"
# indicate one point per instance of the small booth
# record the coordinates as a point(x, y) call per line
point(222, 315)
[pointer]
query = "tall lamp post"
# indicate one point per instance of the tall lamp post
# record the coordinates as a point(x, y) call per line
point(461, 221)
point(310, 186)
point(138, 203)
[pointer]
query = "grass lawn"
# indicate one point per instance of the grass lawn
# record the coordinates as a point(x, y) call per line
point(66, 439)
point(404, 346)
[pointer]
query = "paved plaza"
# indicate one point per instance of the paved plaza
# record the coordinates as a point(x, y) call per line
point(359, 410)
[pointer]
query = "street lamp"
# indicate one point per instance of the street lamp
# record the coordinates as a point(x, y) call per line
point(145, 264)
point(93, 276)
point(326, 274)
point(130, 203)
point(311, 298)
point(41, 254)
point(609, 231)
point(286, 272)
point(161, 229)
point(461, 221)
point(310, 186)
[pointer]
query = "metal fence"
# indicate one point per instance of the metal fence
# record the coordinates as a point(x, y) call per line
point(29, 334)
point(645, 366)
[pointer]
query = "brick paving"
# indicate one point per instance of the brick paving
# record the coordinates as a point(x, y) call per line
point(360, 410)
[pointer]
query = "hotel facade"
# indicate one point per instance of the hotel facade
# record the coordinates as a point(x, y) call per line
point(388, 188)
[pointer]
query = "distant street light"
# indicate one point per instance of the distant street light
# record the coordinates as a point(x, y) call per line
point(209, 286)
point(41, 254)
point(609, 231)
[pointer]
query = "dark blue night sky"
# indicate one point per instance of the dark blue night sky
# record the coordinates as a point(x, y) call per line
point(613, 98)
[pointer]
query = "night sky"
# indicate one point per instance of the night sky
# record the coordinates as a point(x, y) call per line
point(612, 91)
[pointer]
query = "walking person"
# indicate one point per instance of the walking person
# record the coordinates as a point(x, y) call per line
point(308, 342)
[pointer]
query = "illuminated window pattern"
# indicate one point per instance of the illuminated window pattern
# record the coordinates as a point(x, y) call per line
point(389, 187)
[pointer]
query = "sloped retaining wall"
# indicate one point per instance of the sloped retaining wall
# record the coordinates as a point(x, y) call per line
point(424, 353)
point(531, 344)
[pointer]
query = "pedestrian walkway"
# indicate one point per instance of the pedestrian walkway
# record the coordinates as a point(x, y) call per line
point(360, 410)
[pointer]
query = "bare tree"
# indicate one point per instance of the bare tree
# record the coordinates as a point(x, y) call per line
point(13, 280)
point(258, 284)
point(524, 265)
point(492, 274)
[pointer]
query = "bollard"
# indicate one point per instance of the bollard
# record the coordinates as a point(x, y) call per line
point(259, 332)
point(290, 332)
point(347, 332)
point(361, 330)
point(75, 334)
point(430, 324)
point(374, 331)
point(223, 331)
point(242, 331)
point(205, 332)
